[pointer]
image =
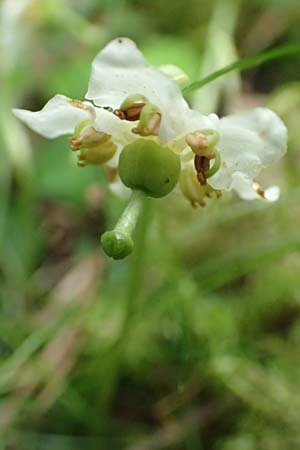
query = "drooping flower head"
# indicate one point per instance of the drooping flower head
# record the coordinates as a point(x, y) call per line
point(130, 103)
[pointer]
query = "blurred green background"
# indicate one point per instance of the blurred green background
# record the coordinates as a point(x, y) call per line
point(194, 343)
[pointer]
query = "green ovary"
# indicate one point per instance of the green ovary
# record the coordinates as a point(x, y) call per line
point(147, 166)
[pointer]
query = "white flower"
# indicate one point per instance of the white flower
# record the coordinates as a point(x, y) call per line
point(238, 146)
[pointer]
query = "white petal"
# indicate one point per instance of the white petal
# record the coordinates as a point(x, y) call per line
point(120, 70)
point(249, 142)
point(58, 117)
point(248, 190)
point(272, 194)
point(266, 133)
point(244, 186)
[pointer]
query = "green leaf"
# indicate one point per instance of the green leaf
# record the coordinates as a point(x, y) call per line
point(246, 63)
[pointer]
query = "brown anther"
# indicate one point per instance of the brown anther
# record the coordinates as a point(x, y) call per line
point(77, 104)
point(153, 126)
point(132, 113)
point(201, 178)
point(210, 156)
point(110, 172)
point(205, 164)
point(154, 123)
point(194, 203)
point(81, 161)
point(197, 141)
point(198, 163)
point(75, 144)
point(119, 113)
point(260, 191)
point(201, 164)
point(218, 194)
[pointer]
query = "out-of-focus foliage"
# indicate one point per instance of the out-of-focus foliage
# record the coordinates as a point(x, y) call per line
point(196, 344)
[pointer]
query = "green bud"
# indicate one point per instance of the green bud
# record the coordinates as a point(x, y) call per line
point(176, 74)
point(147, 166)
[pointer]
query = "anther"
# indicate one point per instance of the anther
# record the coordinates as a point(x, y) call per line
point(131, 108)
point(194, 191)
point(95, 146)
point(152, 127)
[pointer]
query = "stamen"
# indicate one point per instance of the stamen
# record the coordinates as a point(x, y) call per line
point(258, 189)
point(75, 143)
point(111, 173)
point(271, 194)
point(194, 191)
point(79, 104)
point(202, 142)
point(132, 113)
point(119, 113)
point(81, 161)
point(202, 166)
point(216, 166)
point(95, 146)
point(197, 141)
point(131, 108)
point(150, 120)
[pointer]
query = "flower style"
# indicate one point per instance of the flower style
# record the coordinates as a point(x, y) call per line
point(130, 103)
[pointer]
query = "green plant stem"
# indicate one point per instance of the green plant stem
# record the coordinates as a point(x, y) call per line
point(246, 63)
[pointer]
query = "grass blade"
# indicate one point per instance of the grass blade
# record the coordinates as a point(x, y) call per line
point(245, 63)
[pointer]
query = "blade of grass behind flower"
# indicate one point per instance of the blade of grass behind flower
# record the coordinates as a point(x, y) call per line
point(246, 63)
